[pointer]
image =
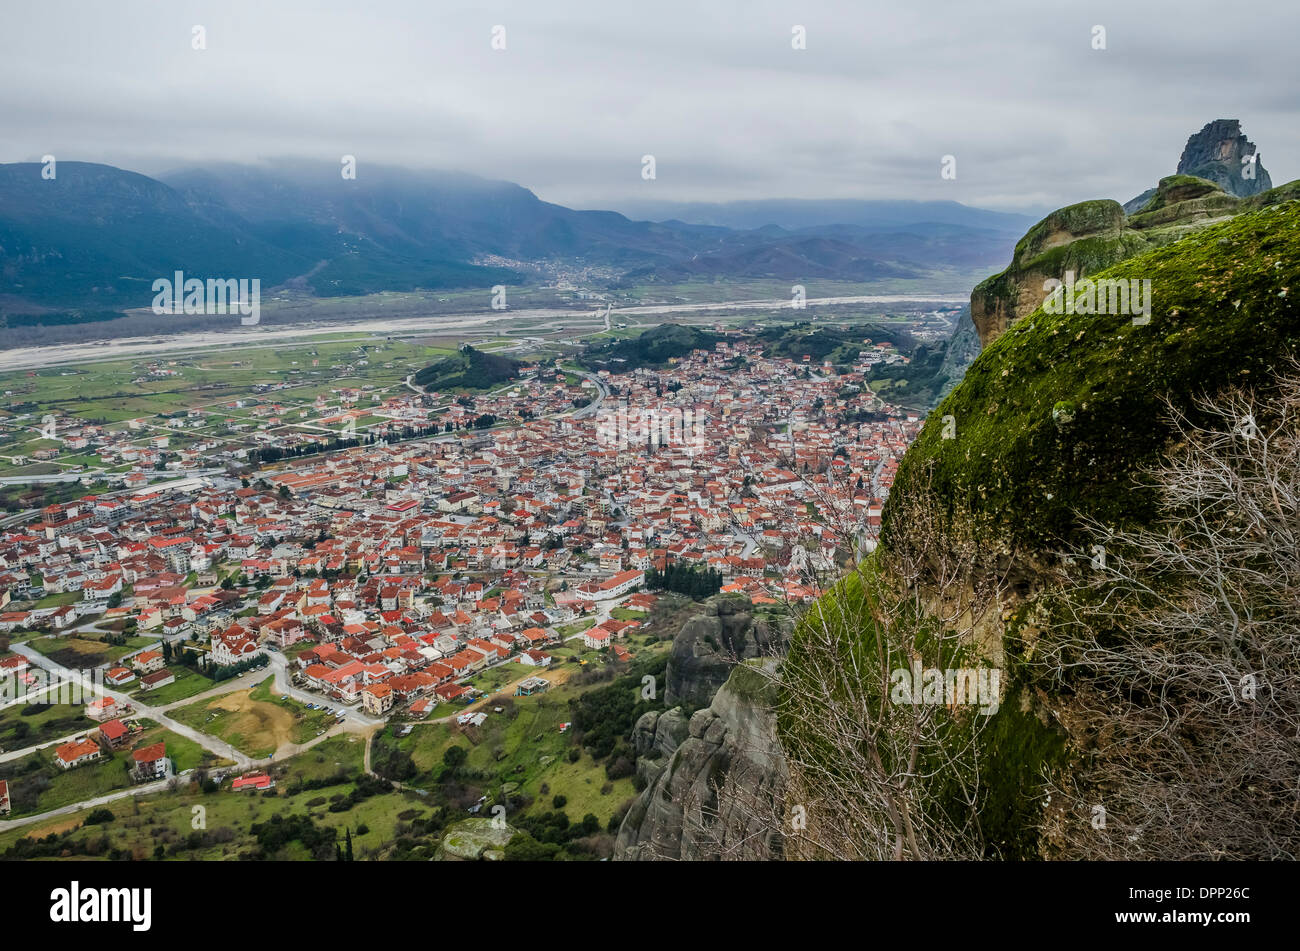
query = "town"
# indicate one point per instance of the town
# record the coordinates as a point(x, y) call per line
point(467, 546)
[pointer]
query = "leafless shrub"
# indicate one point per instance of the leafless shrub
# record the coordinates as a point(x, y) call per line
point(870, 776)
point(1177, 652)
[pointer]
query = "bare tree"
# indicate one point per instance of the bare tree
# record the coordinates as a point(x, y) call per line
point(877, 767)
point(1177, 652)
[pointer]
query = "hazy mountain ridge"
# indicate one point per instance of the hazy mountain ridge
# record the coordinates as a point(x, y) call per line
point(95, 237)
point(796, 214)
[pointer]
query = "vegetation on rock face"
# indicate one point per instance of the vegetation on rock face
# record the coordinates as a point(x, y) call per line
point(1075, 221)
point(1049, 435)
point(1090, 236)
point(1174, 652)
point(889, 775)
point(1082, 238)
point(1176, 188)
point(1223, 313)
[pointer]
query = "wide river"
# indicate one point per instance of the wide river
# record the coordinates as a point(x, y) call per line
point(532, 322)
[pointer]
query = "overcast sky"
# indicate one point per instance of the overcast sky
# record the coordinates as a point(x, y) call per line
point(713, 89)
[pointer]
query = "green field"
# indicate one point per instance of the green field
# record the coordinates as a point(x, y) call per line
point(142, 824)
point(492, 680)
point(23, 725)
point(518, 751)
point(523, 746)
point(188, 683)
point(207, 383)
point(627, 614)
point(37, 785)
point(86, 649)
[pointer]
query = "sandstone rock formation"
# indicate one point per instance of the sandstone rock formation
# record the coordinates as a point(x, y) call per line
point(1210, 185)
point(1082, 238)
point(708, 646)
point(1216, 153)
point(715, 789)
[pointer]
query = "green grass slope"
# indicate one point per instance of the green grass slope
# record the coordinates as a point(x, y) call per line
point(469, 369)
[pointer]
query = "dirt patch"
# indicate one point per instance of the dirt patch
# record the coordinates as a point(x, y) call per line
point(253, 725)
point(57, 827)
point(79, 659)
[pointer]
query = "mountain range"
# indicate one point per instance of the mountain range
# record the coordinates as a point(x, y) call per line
point(92, 239)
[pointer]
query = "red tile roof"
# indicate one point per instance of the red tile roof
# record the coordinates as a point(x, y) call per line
point(150, 754)
point(113, 730)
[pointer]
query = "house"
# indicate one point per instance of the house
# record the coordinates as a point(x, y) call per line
point(105, 708)
point(535, 658)
point(117, 676)
point(596, 638)
point(252, 781)
point(377, 699)
point(450, 692)
point(150, 762)
point(4, 797)
point(77, 753)
point(530, 685)
point(147, 661)
point(113, 734)
point(13, 666)
point(159, 678)
point(613, 587)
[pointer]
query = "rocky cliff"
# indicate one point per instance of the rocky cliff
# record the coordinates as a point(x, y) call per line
point(1216, 154)
point(1082, 238)
point(1221, 154)
point(963, 347)
point(1054, 415)
point(1054, 420)
point(1046, 437)
point(1092, 235)
point(714, 782)
point(708, 646)
point(713, 777)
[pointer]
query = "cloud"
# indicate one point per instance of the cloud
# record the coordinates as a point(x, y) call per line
point(1012, 88)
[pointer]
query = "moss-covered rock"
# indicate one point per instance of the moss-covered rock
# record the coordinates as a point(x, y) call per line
point(1182, 200)
point(1082, 238)
point(1223, 312)
point(1053, 421)
point(1176, 188)
point(1017, 744)
point(1090, 236)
